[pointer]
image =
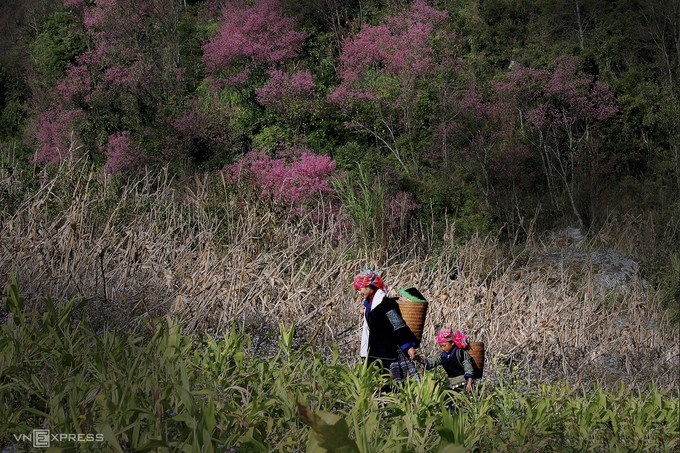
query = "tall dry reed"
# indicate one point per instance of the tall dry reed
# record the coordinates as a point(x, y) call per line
point(195, 250)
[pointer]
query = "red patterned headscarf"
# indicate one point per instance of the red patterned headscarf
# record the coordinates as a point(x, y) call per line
point(368, 278)
point(447, 335)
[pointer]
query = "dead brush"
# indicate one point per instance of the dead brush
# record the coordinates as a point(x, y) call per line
point(211, 257)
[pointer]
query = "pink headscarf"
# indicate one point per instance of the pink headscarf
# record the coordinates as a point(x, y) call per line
point(447, 335)
point(368, 278)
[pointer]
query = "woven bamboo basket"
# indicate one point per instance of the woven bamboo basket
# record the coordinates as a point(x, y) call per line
point(413, 307)
point(476, 350)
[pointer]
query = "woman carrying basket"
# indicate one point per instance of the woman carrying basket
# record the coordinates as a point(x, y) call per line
point(385, 338)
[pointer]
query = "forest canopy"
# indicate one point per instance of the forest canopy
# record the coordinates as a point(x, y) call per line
point(491, 111)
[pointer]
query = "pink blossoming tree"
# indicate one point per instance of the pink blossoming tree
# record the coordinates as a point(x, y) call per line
point(553, 117)
point(295, 177)
point(250, 37)
point(563, 109)
point(123, 155)
point(255, 53)
point(385, 72)
point(57, 134)
point(123, 80)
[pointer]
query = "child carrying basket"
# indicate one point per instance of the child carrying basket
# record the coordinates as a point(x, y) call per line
point(461, 361)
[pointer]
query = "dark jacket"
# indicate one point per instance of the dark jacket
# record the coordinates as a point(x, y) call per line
point(456, 363)
point(388, 331)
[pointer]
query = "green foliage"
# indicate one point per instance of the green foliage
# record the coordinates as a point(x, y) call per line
point(177, 392)
point(17, 181)
point(329, 432)
point(270, 138)
point(11, 119)
point(191, 33)
point(363, 200)
point(505, 27)
point(349, 155)
point(59, 42)
point(457, 201)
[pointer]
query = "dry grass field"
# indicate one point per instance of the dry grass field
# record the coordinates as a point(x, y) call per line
point(197, 251)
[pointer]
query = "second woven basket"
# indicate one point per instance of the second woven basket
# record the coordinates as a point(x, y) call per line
point(413, 307)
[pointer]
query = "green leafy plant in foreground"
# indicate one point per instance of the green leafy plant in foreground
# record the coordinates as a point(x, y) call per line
point(168, 391)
